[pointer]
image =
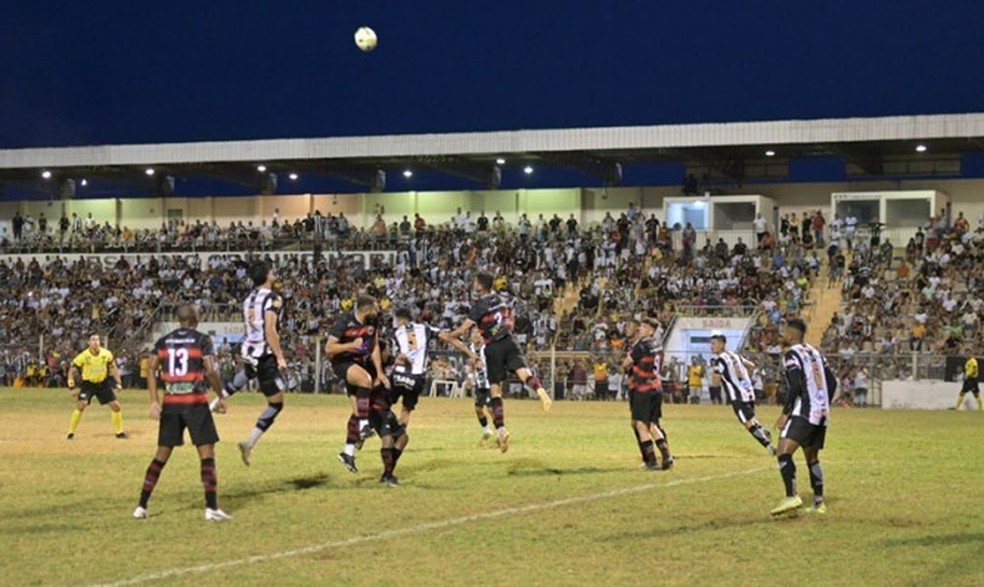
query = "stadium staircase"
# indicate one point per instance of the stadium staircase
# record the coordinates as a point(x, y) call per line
point(826, 302)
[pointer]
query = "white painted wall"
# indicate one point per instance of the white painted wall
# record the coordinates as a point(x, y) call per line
point(922, 395)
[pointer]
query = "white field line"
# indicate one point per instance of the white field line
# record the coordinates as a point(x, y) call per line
point(418, 529)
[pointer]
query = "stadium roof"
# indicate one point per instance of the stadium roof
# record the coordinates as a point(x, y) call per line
point(883, 146)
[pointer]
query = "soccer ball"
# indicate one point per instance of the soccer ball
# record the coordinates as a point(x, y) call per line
point(365, 39)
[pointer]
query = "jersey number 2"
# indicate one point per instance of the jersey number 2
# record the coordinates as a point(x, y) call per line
point(177, 362)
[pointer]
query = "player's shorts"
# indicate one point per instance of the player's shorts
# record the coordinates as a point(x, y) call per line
point(483, 398)
point(409, 387)
point(385, 423)
point(806, 434)
point(970, 386)
point(264, 370)
point(341, 371)
point(197, 418)
point(744, 410)
point(102, 391)
point(503, 357)
point(646, 406)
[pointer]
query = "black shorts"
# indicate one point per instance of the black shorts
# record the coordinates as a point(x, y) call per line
point(483, 398)
point(341, 371)
point(197, 418)
point(744, 410)
point(503, 357)
point(103, 391)
point(385, 423)
point(646, 406)
point(806, 434)
point(266, 372)
point(970, 386)
point(409, 387)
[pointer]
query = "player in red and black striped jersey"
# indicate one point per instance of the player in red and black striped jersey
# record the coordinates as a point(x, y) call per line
point(186, 359)
point(642, 365)
point(492, 314)
point(354, 351)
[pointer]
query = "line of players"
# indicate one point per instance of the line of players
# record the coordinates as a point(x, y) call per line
point(357, 358)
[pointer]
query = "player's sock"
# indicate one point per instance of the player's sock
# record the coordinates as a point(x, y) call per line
point(117, 418)
point(759, 434)
point(264, 422)
point(787, 468)
point(150, 480)
point(351, 435)
point(534, 382)
point(664, 450)
point(210, 482)
point(498, 412)
point(388, 460)
point(648, 454)
point(397, 453)
point(236, 384)
point(74, 422)
point(362, 405)
point(483, 422)
point(960, 400)
point(816, 482)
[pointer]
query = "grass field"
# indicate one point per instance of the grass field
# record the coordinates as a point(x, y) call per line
point(566, 505)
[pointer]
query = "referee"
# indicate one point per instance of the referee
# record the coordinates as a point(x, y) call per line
point(96, 365)
point(970, 384)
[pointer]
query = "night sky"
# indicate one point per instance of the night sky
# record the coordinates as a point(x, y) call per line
point(118, 71)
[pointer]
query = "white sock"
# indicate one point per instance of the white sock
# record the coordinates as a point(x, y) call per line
point(350, 450)
point(363, 424)
point(254, 437)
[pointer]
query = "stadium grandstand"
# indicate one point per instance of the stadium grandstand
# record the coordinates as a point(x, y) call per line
point(731, 227)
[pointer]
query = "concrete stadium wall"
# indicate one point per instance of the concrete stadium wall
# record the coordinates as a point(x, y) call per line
point(589, 205)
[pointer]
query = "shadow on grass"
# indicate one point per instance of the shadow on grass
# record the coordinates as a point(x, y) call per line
point(676, 531)
point(973, 538)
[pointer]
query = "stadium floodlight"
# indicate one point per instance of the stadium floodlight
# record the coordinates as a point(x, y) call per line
point(770, 153)
point(920, 148)
point(149, 172)
point(293, 176)
point(528, 170)
point(407, 174)
point(84, 182)
point(500, 161)
point(261, 168)
point(46, 174)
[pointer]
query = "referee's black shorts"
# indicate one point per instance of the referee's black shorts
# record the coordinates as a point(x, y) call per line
point(197, 418)
point(102, 391)
point(971, 386)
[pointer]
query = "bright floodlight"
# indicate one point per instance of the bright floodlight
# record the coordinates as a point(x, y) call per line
point(528, 170)
point(84, 182)
point(500, 161)
point(920, 148)
point(46, 174)
point(150, 171)
point(770, 153)
point(261, 168)
point(293, 177)
point(408, 174)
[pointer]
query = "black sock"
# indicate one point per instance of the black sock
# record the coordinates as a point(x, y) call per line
point(397, 453)
point(484, 422)
point(388, 462)
point(664, 449)
point(498, 412)
point(648, 454)
point(210, 482)
point(787, 468)
point(816, 481)
point(759, 434)
point(150, 480)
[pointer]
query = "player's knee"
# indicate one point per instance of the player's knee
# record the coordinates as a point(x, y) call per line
point(269, 415)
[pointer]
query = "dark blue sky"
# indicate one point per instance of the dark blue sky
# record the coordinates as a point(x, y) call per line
point(117, 71)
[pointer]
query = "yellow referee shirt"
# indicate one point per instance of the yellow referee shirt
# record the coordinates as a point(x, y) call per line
point(970, 368)
point(95, 368)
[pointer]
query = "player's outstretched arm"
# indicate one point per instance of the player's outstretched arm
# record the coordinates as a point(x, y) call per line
point(457, 344)
point(461, 330)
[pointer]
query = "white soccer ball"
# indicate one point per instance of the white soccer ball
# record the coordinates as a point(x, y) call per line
point(365, 39)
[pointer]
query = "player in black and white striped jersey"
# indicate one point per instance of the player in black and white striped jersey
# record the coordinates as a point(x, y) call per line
point(262, 356)
point(410, 343)
point(730, 372)
point(482, 388)
point(804, 417)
